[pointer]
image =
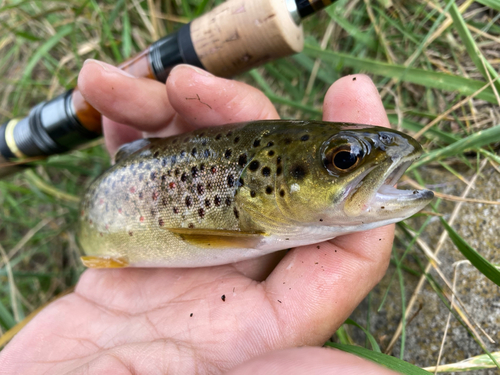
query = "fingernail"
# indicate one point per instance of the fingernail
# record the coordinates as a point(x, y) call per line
point(194, 68)
point(108, 68)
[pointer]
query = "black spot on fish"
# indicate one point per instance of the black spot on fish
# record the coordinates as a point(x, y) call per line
point(191, 226)
point(207, 153)
point(141, 195)
point(241, 182)
point(217, 201)
point(278, 160)
point(229, 133)
point(218, 136)
point(201, 189)
point(266, 171)
point(201, 213)
point(188, 201)
point(213, 169)
point(242, 160)
point(164, 177)
point(202, 167)
point(254, 165)
point(156, 154)
point(228, 201)
point(207, 203)
point(236, 213)
point(176, 210)
point(194, 171)
point(304, 138)
point(177, 172)
point(202, 134)
point(236, 140)
point(270, 153)
point(269, 190)
point(299, 171)
point(153, 175)
point(164, 201)
point(256, 143)
point(183, 154)
point(253, 194)
point(186, 140)
point(174, 141)
point(160, 222)
point(230, 180)
point(278, 171)
point(282, 193)
point(184, 177)
point(228, 153)
point(287, 141)
point(194, 152)
point(270, 144)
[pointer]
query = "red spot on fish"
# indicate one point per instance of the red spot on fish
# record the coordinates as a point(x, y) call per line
point(132, 189)
point(171, 185)
point(155, 195)
point(101, 201)
point(119, 210)
point(141, 219)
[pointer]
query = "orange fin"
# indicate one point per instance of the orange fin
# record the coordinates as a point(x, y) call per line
point(94, 261)
point(218, 238)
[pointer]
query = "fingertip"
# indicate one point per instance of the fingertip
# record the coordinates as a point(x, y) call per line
point(355, 99)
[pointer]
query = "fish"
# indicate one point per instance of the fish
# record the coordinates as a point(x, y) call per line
point(228, 193)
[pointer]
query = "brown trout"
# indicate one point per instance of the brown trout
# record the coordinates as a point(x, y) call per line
point(224, 194)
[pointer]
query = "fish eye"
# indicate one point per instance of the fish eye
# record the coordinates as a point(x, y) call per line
point(343, 159)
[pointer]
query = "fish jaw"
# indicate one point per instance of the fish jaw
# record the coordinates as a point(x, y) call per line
point(374, 197)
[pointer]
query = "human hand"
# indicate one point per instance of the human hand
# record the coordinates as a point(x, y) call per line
point(126, 321)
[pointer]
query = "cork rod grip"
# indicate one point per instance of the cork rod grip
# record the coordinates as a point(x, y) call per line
point(241, 34)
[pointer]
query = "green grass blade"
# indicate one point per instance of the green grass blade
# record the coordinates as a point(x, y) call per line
point(477, 260)
point(476, 140)
point(46, 47)
point(6, 318)
point(427, 78)
point(493, 4)
point(126, 36)
point(108, 35)
point(471, 47)
point(369, 336)
point(385, 360)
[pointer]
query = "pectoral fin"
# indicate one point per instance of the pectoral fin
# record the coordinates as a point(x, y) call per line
point(218, 238)
point(93, 261)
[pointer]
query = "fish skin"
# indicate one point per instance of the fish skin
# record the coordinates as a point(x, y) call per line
point(224, 194)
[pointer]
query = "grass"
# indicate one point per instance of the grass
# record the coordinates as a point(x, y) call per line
point(435, 63)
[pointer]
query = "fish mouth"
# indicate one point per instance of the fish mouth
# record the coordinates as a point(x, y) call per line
point(374, 191)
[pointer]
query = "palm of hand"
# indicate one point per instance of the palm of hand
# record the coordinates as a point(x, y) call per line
point(177, 320)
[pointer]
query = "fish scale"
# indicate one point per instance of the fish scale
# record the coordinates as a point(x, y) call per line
point(217, 195)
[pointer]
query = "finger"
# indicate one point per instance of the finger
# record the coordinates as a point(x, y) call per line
point(116, 134)
point(138, 102)
point(311, 361)
point(333, 277)
point(202, 99)
point(354, 98)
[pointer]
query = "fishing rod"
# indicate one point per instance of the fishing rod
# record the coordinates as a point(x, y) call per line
point(232, 38)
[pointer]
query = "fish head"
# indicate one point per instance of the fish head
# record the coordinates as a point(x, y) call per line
point(346, 177)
